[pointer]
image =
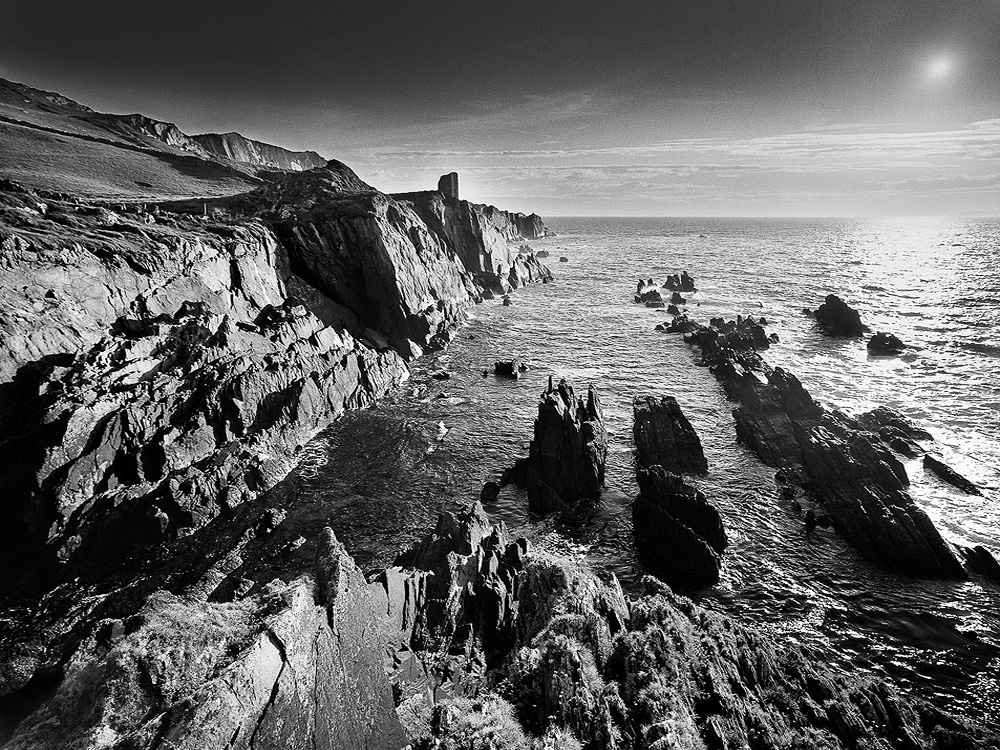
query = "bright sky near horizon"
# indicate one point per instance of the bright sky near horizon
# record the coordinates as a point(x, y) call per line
point(702, 107)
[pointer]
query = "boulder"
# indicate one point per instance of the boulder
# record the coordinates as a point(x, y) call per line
point(885, 344)
point(838, 319)
point(664, 436)
point(563, 259)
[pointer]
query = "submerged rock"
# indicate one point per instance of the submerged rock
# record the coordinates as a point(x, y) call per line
point(508, 368)
point(838, 319)
point(664, 436)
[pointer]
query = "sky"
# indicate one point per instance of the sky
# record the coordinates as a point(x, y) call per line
point(702, 107)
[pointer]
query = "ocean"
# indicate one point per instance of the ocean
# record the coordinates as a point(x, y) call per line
point(387, 471)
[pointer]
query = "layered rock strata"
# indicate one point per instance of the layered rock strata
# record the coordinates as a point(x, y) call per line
point(664, 436)
point(860, 482)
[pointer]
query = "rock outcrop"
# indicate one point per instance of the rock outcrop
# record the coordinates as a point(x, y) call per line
point(837, 318)
point(664, 436)
point(680, 283)
point(679, 534)
point(886, 344)
point(859, 481)
point(565, 466)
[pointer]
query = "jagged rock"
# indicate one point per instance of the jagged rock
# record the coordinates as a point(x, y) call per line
point(677, 299)
point(211, 349)
point(680, 283)
point(885, 344)
point(838, 319)
point(652, 295)
point(949, 475)
point(861, 484)
point(673, 310)
point(565, 465)
point(281, 669)
point(678, 531)
point(664, 436)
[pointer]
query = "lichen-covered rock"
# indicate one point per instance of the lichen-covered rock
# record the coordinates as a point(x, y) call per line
point(298, 666)
point(664, 436)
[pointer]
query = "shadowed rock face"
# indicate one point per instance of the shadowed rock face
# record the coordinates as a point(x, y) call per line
point(665, 437)
point(679, 533)
point(566, 460)
point(861, 483)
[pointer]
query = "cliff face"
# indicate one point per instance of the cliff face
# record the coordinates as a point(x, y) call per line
point(248, 151)
point(164, 368)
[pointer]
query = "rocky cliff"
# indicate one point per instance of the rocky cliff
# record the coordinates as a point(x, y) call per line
point(162, 368)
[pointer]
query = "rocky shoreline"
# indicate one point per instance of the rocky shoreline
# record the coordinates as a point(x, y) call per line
point(162, 367)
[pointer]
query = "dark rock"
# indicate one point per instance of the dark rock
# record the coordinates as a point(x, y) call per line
point(507, 368)
point(981, 560)
point(489, 492)
point(656, 303)
point(885, 344)
point(680, 283)
point(652, 295)
point(664, 436)
point(949, 475)
point(838, 319)
point(679, 533)
point(441, 375)
point(448, 185)
point(507, 301)
point(858, 480)
point(542, 254)
point(673, 310)
point(565, 466)
point(563, 259)
point(677, 299)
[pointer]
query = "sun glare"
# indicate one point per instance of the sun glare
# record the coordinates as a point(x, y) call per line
point(939, 68)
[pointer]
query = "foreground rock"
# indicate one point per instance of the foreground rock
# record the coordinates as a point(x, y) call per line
point(664, 436)
point(837, 318)
point(855, 477)
point(296, 666)
point(564, 470)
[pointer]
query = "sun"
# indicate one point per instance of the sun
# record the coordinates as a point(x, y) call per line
point(939, 68)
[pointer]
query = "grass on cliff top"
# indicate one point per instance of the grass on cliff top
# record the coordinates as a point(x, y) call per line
point(64, 163)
